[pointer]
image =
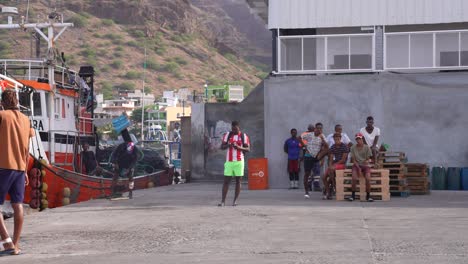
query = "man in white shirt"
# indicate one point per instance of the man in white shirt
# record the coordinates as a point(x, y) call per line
point(344, 137)
point(371, 137)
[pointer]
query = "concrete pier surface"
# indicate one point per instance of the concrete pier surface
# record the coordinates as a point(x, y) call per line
point(182, 224)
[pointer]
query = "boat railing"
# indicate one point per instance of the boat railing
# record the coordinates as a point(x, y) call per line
point(66, 142)
point(36, 70)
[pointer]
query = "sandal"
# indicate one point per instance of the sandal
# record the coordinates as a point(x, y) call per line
point(10, 251)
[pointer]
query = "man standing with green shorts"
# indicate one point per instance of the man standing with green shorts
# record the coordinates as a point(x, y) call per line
point(236, 144)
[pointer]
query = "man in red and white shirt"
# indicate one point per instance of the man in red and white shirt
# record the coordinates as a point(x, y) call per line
point(236, 144)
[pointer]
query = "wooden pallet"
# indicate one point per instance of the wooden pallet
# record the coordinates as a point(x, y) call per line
point(405, 193)
point(393, 166)
point(422, 186)
point(416, 174)
point(398, 188)
point(379, 185)
point(417, 178)
point(383, 155)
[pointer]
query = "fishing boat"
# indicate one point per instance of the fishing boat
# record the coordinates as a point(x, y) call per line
point(60, 104)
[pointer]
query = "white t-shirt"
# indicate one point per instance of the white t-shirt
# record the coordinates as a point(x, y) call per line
point(313, 143)
point(370, 137)
point(344, 138)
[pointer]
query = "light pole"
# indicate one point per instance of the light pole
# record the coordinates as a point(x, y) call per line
point(206, 91)
point(143, 101)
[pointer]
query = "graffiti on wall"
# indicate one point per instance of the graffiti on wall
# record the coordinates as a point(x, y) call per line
point(214, 132)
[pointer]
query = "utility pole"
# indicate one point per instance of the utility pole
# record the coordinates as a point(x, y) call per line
point(55, 20)
point(143, 101)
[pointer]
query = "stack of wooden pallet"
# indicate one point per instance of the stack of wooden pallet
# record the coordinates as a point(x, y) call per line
point(379, 185)
point(393, 161)
point(417, 178)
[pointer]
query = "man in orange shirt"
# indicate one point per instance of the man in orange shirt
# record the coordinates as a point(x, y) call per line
point(16, 130)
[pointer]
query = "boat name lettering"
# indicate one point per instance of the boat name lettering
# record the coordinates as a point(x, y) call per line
point(38, 125)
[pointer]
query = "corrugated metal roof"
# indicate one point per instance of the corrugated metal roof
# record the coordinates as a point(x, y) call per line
point(356, 13)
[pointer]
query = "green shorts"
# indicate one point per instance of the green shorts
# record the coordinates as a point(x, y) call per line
point(234, 168)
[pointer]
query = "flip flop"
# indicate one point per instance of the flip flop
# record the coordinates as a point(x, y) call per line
point(9, 252)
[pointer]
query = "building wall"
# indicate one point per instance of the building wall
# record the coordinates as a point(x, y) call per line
point(423, 115)
point(198, 140)
point(355, 13)
point(172, 111)
point(213, 121)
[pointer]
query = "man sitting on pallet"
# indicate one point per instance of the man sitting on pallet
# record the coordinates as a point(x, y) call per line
point(371, 136)
point(360, 157)
point(337, 158)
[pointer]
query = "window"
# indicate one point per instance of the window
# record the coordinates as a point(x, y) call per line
point(397, 51)
point(63, 109)
point(37, 104)
point(446, 49)
point(57, 108)
point(291, 52)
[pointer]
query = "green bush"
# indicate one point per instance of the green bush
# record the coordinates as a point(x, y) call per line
point(182, 38)
point(88, 53)
point(107, 22)
point(119, 48)
point(105, 69)
point(96, 35)
point(262, 75)
point(118, 54)
point(160, 50)
point(132, 43)
point(126, 86)
point(117, 64)
point(132, 75)
point(85, 14)
point(102, 52)
point(230, 57)
point(161, 79)
point(112, 36)
point(117, 42)
point(138, 34)
point(4, 46)
point(180, 61)
point(152, 65)
point(171, 67)
point(178, 75)
point(78, 21)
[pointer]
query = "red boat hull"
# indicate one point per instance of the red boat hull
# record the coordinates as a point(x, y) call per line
point(83, 187)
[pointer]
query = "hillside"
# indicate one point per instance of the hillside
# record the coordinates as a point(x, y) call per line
point(187, 43)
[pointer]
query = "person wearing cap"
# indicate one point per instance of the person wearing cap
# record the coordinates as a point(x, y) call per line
point(360, 157)
point(316, 147)
point(371, 136)
point(124, 159)
point(337, 158)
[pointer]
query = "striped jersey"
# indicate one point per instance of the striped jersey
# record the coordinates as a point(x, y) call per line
point(232, 153)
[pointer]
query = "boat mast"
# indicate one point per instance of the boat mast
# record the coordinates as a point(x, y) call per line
point(55, 20)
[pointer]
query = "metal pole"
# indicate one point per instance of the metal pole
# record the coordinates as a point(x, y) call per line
point(143, 101)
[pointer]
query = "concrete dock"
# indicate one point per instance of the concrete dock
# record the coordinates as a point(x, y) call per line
point(182, 224)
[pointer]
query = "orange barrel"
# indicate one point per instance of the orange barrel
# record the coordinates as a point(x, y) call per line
point(258, 174)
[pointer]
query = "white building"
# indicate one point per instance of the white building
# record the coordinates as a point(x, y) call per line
point(404, 62)
point(127, 102)
point(326, 36)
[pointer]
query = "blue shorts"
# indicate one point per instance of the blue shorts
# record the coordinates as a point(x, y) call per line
point(13, 183)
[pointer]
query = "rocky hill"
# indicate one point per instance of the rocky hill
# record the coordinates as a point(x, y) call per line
point(187, 42)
